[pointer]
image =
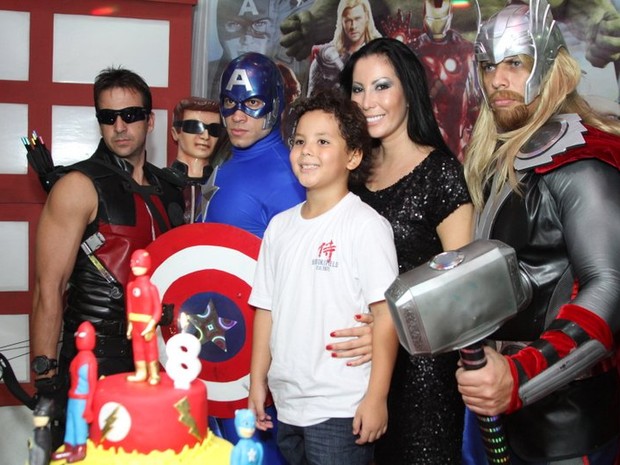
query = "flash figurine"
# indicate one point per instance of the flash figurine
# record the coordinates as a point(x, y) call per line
point(143, 314)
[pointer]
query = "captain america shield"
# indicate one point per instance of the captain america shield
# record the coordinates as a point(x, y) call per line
point(206, 270)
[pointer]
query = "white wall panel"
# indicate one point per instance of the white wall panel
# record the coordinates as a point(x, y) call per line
point(14, 45)
point(156, 144)
point(75, 133)
point(14, 346)
point(14, 124)
point(14, 253)
point(16, 429)
point(16, 421)
point(84, 45)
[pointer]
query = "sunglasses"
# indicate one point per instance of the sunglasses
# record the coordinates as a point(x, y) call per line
point(193, 126)
point(128, 115)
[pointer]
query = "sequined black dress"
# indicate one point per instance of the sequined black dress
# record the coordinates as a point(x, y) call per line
point(425, 425)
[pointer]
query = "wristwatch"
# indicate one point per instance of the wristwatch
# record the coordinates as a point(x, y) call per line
point(41, 365)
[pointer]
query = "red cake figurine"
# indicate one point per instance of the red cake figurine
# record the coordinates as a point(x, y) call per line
point(143, 314)
point(83, 371)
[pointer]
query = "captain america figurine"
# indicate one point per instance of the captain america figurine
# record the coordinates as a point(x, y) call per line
point(247, 451)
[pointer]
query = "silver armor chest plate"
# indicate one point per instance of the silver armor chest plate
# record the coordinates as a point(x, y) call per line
point(556, 136)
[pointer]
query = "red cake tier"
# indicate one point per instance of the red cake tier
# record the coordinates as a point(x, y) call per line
point(133, 415)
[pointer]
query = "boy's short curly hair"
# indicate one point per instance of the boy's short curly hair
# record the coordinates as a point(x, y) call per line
point(351, 123)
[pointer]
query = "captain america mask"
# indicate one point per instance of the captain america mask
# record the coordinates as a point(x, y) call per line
point(252, 84)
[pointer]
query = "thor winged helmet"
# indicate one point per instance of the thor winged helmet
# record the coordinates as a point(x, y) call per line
point(520, 30)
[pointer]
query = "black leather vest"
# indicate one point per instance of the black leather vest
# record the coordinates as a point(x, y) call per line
point(129, 217)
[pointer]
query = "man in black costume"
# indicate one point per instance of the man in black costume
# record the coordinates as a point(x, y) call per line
point(98, 212)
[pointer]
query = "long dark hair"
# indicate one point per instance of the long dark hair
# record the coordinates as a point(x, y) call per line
point(422, 126)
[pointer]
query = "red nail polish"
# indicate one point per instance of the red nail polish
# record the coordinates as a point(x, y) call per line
point(334, 354)
point(333, 334)
point(328, 347)
point(358, 316)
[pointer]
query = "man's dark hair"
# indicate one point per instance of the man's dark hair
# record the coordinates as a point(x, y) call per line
point(110, 78)
point(351, 123)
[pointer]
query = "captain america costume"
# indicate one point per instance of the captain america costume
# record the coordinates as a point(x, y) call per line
point(254, 185)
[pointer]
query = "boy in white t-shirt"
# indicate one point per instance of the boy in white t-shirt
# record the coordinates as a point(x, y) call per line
point(322, 262)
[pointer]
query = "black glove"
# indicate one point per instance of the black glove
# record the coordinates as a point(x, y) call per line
point(49, 387)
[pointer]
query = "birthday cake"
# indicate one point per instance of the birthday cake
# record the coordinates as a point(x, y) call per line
point(138, 423)
point(146, 417)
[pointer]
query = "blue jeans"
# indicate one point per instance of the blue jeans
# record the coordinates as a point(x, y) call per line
point(328, 443)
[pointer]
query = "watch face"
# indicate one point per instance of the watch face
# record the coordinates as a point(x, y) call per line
point(38, 365)
point(41, 364)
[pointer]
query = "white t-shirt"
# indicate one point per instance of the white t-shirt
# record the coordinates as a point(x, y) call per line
point(315, 275)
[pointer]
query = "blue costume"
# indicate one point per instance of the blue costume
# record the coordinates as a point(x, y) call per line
point(254, 185)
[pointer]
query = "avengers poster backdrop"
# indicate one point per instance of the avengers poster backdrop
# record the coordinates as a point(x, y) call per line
point(312, 39)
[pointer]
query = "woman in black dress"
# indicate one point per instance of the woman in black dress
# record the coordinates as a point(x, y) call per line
point(418, 185)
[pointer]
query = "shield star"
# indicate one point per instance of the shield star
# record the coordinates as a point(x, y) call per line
point(211, 327)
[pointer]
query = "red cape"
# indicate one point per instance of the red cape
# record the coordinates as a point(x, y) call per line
point(600, 145)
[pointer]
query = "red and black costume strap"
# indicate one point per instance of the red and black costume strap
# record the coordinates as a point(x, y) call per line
point(599, 144)
point(574, 326)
